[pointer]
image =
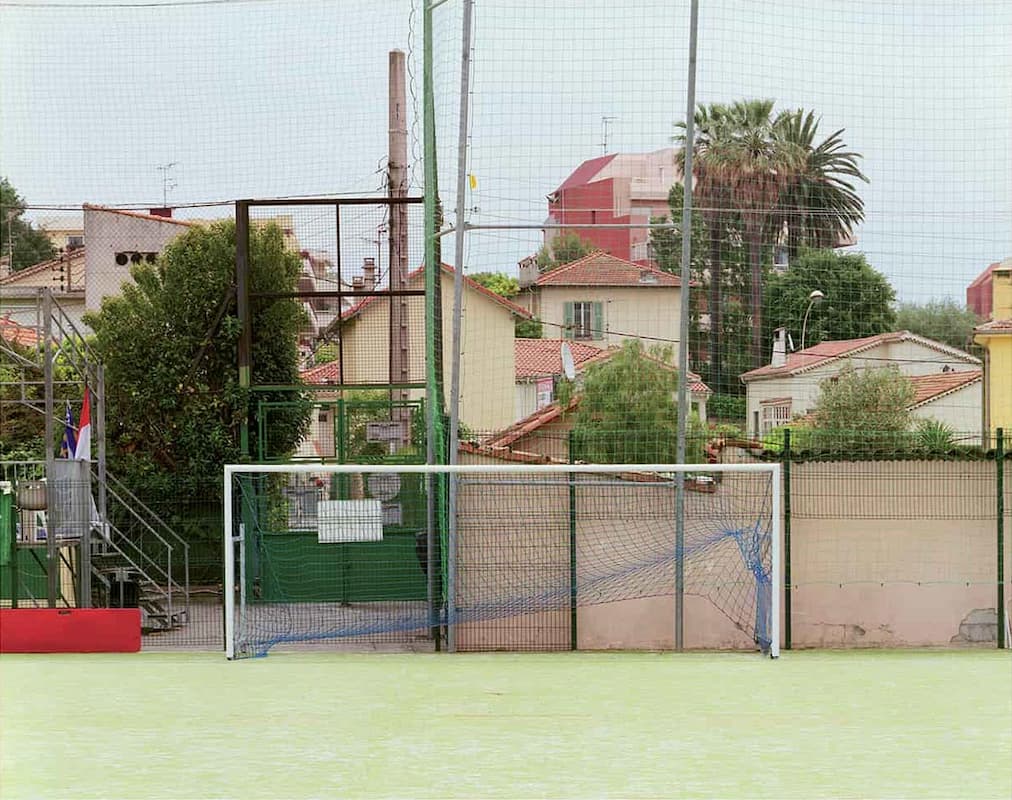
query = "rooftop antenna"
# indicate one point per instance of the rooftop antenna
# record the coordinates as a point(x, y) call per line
point(168, 184)
point(605, 122)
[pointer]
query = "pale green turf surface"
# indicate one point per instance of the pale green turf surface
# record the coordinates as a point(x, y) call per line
point(814, 724)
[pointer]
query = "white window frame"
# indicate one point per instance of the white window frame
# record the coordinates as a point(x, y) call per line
point(774, 414)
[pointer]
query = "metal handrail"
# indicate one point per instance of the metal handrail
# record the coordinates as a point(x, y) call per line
point(157, 519)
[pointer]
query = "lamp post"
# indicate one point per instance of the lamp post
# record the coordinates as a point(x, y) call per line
point(815, 297)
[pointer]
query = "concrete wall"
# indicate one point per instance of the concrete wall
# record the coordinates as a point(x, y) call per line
point(884, 554)
point(647, 311)
point(110, 232)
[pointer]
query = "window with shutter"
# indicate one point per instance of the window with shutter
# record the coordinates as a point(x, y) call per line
point(567, 320)
point(598, 332)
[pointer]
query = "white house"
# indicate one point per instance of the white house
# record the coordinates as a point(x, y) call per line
point(947, 381)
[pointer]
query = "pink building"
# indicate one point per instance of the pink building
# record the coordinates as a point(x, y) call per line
point(621, 188)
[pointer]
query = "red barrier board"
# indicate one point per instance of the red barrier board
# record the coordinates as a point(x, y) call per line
point(70, 630)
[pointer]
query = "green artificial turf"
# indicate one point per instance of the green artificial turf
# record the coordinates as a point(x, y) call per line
point(813, 724)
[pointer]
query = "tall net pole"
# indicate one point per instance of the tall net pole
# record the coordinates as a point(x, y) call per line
point(458, 297)
point(683, 336)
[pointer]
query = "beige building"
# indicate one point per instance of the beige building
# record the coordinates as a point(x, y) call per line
point(19, 291)
point(65, 231)
point(487, 382)
point(947, 381)
point(604, 300)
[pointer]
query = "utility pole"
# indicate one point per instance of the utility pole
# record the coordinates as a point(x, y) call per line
point(397, 187)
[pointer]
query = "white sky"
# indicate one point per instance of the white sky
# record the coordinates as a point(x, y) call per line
point(288, 97)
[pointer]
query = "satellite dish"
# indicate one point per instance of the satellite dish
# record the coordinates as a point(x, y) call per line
point(568, 365)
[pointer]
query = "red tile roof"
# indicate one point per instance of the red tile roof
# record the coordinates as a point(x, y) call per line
point(67, 261)
point(11, 331)
point(543, 357)
point(326, 374)
point(586, 172)
point(540, 357)
point(995, 326)
point(512, 307)
point(826, 352)
point(601, 269)
point(529, 424)
point(505, 454)
point(931, 387)
point(141, 215)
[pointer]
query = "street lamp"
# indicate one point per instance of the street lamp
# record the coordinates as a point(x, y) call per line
point(815, 297)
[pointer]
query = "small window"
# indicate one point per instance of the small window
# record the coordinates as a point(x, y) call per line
point(775, 414)
point(73, 242)
point(584, 320)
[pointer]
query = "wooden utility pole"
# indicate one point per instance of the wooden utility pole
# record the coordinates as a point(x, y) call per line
point(397, 187)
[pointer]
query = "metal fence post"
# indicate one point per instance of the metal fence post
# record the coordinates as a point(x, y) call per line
point(999, 461)
point(573, 615)
point(786, 460)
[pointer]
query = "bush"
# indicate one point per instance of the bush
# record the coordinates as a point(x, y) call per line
point(728, 407)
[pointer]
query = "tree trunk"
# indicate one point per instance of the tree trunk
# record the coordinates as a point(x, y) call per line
point(755, 252)
point(716, 327)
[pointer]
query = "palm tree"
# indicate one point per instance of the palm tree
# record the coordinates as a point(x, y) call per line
point(756, 165)
point(757, 168)
point(713, 127)
point(820, 206)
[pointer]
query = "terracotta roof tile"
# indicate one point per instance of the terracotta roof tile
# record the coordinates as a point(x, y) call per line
point(529, 424)
point(11, 331)
point(602, 269)
point(326, 374)
point(931, 387)
point(513, 308)
point(826, 352)
point(540, 357)
point(74, 260)
point(142, 215)
point(995, 326)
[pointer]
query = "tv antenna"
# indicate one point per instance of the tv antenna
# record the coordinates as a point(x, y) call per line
point(605, 123)
point(168, 184)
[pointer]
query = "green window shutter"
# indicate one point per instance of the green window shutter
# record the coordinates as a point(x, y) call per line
point(598, 321)
point(567, 320)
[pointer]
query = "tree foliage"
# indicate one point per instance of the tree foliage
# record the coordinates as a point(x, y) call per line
point(857, 408)
point(759, 170)
point(499, 282)
point(942, 320)
point(19, 239)
point(628, 410)
point(170, 414)
point(858, 298)
point(563, 249)
point(507, 286)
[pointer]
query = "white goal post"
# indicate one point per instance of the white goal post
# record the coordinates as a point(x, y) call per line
point(505, 474)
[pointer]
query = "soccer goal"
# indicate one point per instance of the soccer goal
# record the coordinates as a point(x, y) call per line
point(502, 556)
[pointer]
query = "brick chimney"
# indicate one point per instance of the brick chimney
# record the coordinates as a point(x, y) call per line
point(161, 212)
point(369, 274)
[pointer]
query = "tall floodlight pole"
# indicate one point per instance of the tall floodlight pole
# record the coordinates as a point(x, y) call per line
point(458, 298)
point(683, 333)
